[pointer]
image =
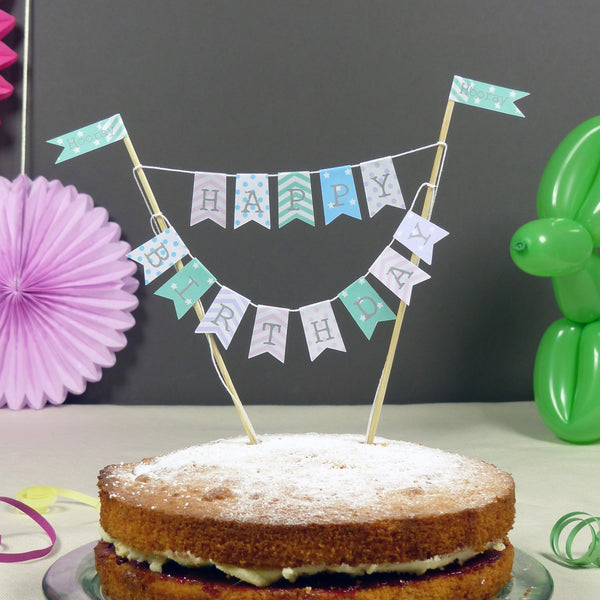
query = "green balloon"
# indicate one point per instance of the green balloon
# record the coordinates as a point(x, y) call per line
point(570, 174)
point(578, 294)
point(566, 380)
point(551, 247)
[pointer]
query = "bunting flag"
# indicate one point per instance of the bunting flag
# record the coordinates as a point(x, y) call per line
point(224, 315)
point(381, 184)
point(209, 198)
point(91, 137)
point(339, 193)
point(366, 306)
point(187, 286)
point(486, 95)
point(252, 199)
point(321, 329)
point(159, 253)
point(397, 273)
point(419, 235)
point(270, 332)
point(295, 198)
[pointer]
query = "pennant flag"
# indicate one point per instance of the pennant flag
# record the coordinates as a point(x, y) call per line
point(270, 332)
point(224, 315)
point(252, 199)
point(419, 235)
point(159, 254)
point(187, 286)
point(339, 193)
point(321, 329)
point(366, 306)
point(209, 198)
point(485, 95)
point(397, 273)
point(91, 137)
point(381, 185)
point(295, 198)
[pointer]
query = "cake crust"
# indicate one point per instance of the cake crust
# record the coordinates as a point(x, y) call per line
point(306, 500)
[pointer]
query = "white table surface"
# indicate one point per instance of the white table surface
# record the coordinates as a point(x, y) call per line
point(66, 446)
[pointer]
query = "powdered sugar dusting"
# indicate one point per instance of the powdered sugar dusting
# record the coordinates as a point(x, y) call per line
point(303, 478)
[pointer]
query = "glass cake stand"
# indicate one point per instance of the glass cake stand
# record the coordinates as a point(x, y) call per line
point(73, 577)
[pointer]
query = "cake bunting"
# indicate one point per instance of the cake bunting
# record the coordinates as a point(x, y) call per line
point(294, 200)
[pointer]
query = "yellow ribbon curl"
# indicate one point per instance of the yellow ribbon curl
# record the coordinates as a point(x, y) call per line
point(42, 497)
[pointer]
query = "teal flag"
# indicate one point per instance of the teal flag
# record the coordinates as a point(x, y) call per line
point(91, 137)
point(366, 306)
point(486, 95)
point(187, 286)
point(295, 198)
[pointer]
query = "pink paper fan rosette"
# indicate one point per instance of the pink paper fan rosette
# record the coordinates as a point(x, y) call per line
point(66, 292)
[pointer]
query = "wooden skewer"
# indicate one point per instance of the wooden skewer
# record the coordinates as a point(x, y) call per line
point(156, 212)
point(426, 213)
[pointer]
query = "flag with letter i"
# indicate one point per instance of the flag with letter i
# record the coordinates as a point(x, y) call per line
point(486, 95)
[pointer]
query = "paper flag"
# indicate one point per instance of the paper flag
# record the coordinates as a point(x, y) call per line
point(252, 199)
point(339, 193)
point(486, 95)
point(397, 273)
point(366, 306)
point(91, 137)
point(224, 315)
point(186, 286)
point(209, 198)
point(270, 332)
point(295, 198)
point(159, 254)
point(321, 329)
point(381, 185)
point(419, 235)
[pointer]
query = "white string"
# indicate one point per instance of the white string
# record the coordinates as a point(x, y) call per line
point(25, 92)
point(188, 172)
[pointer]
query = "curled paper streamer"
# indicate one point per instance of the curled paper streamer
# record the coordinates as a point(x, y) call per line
point(37, 499)
point(576, 525)
point(9, 557)
point(41, 497)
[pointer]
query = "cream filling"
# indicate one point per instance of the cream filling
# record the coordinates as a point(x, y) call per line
point(264, 577)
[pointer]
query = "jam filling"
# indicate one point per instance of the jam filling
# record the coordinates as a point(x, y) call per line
point(210, 576)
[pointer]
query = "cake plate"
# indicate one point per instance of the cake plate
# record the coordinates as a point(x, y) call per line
point(73, 577)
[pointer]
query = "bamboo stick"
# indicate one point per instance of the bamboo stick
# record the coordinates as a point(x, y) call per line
point(426, 213)
point(156, 212)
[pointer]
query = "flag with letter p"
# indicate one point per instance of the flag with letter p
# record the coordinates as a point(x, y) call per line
point(91, 137)
point(486, 95)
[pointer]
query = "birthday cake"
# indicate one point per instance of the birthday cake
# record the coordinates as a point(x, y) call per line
point(305, 516)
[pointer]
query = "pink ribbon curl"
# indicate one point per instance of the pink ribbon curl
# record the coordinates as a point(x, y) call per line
point(10, 557)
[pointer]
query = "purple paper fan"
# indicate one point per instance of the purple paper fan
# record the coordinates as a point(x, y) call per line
point(66, 292)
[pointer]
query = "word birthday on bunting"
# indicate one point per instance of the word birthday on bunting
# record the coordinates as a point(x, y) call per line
point(338, 188)
point(319, 322)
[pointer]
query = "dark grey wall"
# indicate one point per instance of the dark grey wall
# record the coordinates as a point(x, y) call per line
point(268, 86)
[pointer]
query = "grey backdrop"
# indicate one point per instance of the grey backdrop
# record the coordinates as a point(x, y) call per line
point(268, 86)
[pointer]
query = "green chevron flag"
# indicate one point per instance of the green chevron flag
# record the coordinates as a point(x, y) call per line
point(295, 198)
